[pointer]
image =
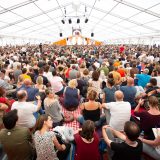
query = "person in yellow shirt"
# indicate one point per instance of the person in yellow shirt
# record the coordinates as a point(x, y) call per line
point(116, 76)
point(24, 74)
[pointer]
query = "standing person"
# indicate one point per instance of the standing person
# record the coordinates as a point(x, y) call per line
point(15, 139)
point(87, 143)
point(46, 142)
point(130, 148)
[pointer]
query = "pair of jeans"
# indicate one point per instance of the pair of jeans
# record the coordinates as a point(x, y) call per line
point(98, 123)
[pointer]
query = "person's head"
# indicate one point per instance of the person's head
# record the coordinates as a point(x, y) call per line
point(54, 72)
point(95, 75)
point(115, 68)
point(78, 75)
point(86, 72)
point(39, 80)
point(146, 71)
point(132, 131)
point(49, 93)
point(18, 67)
point(24, 70)
point(110, 81)
point(44, 121)
point(87, 130)
point(46, 68)
point(119, 95)
point(153, 102)
point(134, 65)
point(27, 82)
point(130, 81)
point(110, 75)
point(21, 95)
point(72, 83)
point(2, 92)
point(153, 82)
point(92, 95)
point(20, 78)
point(40, 71)
point(10, 119)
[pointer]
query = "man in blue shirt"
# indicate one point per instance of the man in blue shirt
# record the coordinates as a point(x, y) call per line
point(143, 78)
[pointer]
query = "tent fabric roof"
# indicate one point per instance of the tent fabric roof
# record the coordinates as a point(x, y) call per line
point(108, 19)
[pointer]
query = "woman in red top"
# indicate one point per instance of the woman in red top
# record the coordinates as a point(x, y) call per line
point(87, 143)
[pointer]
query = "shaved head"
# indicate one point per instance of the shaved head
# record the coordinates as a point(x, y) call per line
point(130, 81)
point(27, 82)
point(119, 95)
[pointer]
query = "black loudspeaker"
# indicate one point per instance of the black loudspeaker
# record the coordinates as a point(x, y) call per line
point(92, 34)
point(78, 20)
point(70, 21)
point(60, 35)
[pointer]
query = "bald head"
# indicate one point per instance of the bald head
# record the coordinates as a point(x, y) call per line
point(119, 95)
point(27, 82)
point(130, 81)
point(22, 95)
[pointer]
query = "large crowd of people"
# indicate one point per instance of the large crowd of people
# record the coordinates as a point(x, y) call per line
point(115, 87)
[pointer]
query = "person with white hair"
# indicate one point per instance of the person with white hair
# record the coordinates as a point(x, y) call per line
point(143, 78)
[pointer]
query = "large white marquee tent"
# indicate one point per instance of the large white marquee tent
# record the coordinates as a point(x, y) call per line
point(111, 21)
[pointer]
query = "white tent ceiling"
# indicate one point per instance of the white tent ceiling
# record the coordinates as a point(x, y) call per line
point(108, 19)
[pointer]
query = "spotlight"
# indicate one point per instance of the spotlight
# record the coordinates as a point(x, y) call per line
point(92, 34)
point(78, 20)
point(70, 21)
point(86, 20)
point(63, 21)
point(60, 34)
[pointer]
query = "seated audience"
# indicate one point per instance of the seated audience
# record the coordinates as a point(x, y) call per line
point(16, 140)
point(87, 143)
point(91, 110)
point(129, 92)
point(130, 148)
point(26, 110)
point(46, 142)
point(152, 147)
point(71, 95)
point(148, 119)
point(117, 113)
point(31, 91)
point(109, 90)
point(53, 108)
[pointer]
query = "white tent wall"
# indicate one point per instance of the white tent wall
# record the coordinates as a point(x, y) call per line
point(113, 21)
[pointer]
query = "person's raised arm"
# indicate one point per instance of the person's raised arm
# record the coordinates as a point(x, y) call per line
point(38, 102)
point(141, 101)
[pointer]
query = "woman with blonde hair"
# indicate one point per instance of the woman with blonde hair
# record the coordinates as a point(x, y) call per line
point(91, 110)
point(39, 84)
point(71, 95)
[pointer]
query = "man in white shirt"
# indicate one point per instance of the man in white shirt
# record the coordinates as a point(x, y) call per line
point(26, 110)
point(117, 113)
